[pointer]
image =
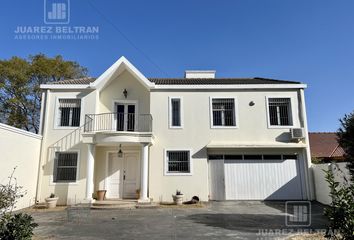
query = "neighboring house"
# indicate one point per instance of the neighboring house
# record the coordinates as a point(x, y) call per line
point(325, 148)
point(144, 138)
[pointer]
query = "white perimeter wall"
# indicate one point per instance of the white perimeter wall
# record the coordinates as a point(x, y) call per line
point(321, 186)
point(20, 149)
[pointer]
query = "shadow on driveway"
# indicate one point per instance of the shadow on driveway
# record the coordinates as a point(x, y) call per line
point(254, 222)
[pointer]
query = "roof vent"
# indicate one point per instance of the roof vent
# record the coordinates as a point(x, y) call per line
point(200, 74)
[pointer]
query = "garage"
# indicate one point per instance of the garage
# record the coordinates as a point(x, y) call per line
point(255, 177)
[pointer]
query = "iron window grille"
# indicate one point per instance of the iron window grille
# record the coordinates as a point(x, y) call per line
point(280, 111)
point(69, 112)
point(223, 112)
point(65, 167)
point(178, 161)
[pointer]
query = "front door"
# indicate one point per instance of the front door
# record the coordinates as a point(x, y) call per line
point(126, 116)
point(114, 176)
point(131, 177)
point(123, 179)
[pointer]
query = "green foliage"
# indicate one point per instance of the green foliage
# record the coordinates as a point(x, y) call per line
point(13, 226)
point(20, 95)
point(9, 193)
point(346, 139)
point(341, 211)
point(17, 226)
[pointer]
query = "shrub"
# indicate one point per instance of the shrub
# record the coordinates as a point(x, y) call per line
point(340, 213)
point(13, 226)
point(17, 226)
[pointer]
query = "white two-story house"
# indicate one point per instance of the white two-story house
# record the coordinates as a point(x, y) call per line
point(144, 138)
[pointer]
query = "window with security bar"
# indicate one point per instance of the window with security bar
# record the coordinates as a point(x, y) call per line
point(65, 167)
point(178, 161)
point(176, 112)
point(69, 112)
point(280, 111)
point(223, 110)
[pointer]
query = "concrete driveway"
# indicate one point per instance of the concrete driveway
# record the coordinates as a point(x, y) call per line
point(217, 220)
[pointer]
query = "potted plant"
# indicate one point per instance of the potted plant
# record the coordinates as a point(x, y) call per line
point(101, 195)
point(51, 201)
point(178, 198)
point(137, 193)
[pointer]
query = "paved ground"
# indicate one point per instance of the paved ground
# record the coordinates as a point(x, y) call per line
point(218, 220)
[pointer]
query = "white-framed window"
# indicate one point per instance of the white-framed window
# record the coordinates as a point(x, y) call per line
point(175, 112)
point(178, 162)
point(69, 112)
point(223, 112)
point(279, 111)
point(65, 167)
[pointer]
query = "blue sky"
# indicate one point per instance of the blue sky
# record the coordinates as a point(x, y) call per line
point(307, 41)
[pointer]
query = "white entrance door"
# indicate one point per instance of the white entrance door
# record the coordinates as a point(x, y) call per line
point(131, 177)
point(262, 180)
point(216, 179)
point(123, 175)
point(114, 176)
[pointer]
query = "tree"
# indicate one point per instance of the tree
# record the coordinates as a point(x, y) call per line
point(20, 95)
point(346, 139)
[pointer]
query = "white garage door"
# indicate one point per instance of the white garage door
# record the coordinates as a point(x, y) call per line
point(249, 178)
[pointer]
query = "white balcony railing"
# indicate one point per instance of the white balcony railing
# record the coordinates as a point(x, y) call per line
point(129, 122)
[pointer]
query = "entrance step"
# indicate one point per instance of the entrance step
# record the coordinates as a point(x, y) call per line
point(146, 205)
point(121, 204)
point(111, 204)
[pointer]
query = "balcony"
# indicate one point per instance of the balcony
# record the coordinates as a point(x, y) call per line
point(118, 128)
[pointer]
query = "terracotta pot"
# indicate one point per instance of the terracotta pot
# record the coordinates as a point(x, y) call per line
point(101, 194)
point(51, 202)
point(178, 199)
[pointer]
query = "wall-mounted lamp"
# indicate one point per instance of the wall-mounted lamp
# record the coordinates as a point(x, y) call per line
point(252, 103)
point(125, 93)
point(120, 153)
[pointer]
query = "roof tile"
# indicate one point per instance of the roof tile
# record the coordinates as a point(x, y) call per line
point(325, 144)
point(188, 81)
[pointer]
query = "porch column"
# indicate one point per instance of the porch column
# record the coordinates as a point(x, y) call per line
point(144, 165)
point(89, 172)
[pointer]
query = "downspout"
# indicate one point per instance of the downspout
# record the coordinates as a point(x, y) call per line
point(43, 120)
point(310, 186)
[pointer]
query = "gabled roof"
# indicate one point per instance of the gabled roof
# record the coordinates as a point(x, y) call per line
point(115, 70)
point(325, 145)
point(169, 83)
point(111, 73)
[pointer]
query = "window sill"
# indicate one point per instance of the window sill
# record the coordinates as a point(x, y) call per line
point(63, 183)
point(172, 127)
point(65, 128)
point(178, 174)
point(280, 127)
point(224, 127)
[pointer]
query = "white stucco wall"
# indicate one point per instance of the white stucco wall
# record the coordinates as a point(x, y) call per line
point(252, 127)
point(197, 133)
point(20, 149)
point(321, 186)
point(114, 92)
point(68, 192)
point(91, 102)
